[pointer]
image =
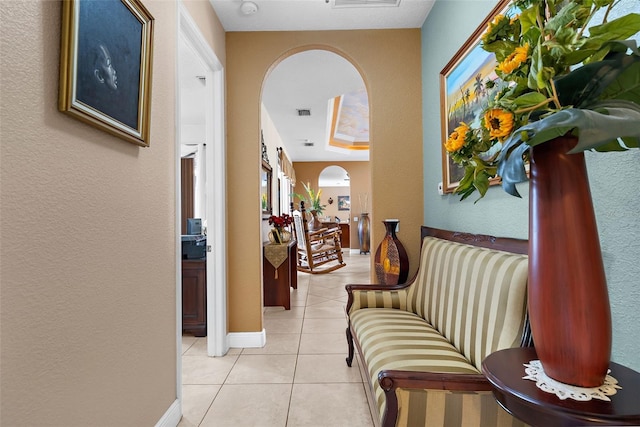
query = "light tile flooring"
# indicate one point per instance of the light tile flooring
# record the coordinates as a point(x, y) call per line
point(299, 378)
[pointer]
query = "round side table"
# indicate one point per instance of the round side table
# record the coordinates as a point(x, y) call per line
point(505, 371)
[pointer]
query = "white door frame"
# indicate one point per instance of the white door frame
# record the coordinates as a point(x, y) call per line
point(215, 155)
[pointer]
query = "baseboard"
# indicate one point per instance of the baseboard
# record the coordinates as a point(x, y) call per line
point(247, 339)
point(172, 417)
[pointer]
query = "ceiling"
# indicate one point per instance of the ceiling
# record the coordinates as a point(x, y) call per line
point(305, 15)
point(307, 80)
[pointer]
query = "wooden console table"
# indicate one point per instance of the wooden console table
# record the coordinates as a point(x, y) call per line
point(278, 280)
point(524, 400)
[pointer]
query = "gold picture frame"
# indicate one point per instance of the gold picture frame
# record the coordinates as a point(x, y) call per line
point(468, 69)
point(106, 66)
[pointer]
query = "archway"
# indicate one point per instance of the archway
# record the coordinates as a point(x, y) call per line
point(302, 96)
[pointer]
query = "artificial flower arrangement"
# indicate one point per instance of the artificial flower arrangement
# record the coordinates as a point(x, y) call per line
point(558, 76)
point(279, 223)
point(312, 199)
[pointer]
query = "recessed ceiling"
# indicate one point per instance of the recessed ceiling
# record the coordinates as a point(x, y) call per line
point(310, 80)
point(304, 15)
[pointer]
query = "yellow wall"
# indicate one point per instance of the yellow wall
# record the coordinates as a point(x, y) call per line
point(389, 61)
point(88, 241)
point(360, 183)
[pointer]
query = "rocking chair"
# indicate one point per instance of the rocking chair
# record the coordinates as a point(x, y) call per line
point(317, 247)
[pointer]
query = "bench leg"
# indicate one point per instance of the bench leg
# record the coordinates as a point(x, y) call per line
point(350, 344)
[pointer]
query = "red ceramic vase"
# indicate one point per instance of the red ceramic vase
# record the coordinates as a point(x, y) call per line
point(568, 298)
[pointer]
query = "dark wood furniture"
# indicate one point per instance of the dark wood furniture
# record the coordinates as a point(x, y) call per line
point(345, 236)
point(524, 400)
point(194, 297)
point(279, 281)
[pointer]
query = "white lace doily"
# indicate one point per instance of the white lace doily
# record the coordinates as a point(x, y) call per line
point(534, 372)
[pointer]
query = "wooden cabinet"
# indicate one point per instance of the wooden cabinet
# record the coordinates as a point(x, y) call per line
point(194, 297)
point(278, 281)
point(345, 237)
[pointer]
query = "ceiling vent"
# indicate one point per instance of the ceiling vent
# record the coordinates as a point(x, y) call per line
point(365, 3)
point(308, 144)
point(303, 112)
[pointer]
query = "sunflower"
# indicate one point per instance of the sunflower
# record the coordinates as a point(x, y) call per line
point(515, 59)
point(497, 29)
point(457, 137)
point(499, 123)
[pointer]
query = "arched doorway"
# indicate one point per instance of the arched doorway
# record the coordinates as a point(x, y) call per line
point(315, 107)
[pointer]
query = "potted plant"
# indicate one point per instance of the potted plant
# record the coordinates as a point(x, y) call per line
point(312, 199)
point(567, 86)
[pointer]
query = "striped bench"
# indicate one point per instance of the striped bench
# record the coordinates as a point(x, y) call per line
point(421, 344)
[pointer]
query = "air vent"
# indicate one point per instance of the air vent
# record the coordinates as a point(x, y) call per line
point(303, 112)
point(308, 144)
point(365, 3)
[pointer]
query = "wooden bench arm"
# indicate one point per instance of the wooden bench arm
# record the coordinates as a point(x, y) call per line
point(392, 379)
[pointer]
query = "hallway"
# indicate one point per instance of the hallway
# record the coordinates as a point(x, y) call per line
point(298, 379)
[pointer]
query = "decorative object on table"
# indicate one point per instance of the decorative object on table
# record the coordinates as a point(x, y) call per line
point(105, 69)
point(567, 90)
point(391, 260)
point(278, 234)
point(535, 372)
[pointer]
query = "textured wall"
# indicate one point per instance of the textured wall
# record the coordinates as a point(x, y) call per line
point(389, 62)
point(613, 177)
point(88, 242)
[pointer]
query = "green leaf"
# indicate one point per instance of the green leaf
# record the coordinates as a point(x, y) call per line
point(594, 129)
point(626, 85)
point(481, 183)
point(618, 29)
point(588, 83)
point(529, 99)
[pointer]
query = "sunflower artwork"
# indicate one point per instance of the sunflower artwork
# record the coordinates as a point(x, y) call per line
point(567, 67)
point(468, 83)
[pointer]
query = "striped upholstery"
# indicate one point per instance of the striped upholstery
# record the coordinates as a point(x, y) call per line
point(475, 297)
point(445, 408)
point(465, 303)
point(397, 339)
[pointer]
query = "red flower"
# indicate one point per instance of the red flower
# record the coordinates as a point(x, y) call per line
point(280, 221)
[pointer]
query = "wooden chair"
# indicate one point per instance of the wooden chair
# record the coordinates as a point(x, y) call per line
point(318, 247)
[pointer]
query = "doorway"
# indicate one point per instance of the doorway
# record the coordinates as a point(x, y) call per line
point(200, 124)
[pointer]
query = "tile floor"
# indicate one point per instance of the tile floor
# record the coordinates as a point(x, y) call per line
point(298, 379)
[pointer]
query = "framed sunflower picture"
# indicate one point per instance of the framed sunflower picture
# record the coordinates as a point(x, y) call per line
point(467, 83)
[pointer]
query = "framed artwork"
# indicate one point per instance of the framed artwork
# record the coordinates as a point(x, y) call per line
point(105, 66)
point(463, 93)
point(343, 203)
